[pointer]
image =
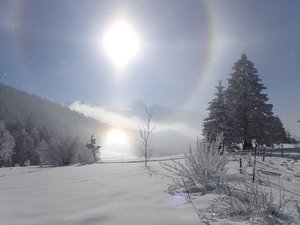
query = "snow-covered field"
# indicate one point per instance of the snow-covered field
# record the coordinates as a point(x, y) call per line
point(119, 194)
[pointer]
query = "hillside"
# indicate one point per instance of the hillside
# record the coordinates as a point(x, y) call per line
point(38, 131)
point(17, 105)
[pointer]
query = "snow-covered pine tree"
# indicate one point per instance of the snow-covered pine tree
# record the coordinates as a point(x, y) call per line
point(7, 145)
point(251, 114)
point(91, 145)
point(218, 120)
point(289, 139)
point(277, 131)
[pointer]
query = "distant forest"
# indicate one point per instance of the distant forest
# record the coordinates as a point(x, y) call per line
point(36, 131)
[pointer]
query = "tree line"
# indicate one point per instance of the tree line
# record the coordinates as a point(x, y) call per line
point(28, 145)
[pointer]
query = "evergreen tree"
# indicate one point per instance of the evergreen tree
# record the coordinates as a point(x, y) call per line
point(289, 139)
point(277, 131)
point(24, 147)
point(91, 145)
point(251, 114)
point(24, 144)
point(7, 145)
point(218, 120)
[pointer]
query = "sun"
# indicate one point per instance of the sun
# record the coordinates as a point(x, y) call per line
point(116, 142)
point(121, 43)
point(117, 137)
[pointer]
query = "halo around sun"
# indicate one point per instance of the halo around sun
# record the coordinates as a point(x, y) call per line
point(120, 43)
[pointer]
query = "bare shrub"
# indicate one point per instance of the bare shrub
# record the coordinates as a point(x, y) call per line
point(258, 201)
point(204, 166)
point(255, 198)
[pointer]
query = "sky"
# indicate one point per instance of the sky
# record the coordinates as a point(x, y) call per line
point(55, 49)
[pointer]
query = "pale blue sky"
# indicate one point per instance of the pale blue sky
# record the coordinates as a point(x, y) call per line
point(48, 48)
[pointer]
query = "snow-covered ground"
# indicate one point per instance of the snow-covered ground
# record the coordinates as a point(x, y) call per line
point(117, 194)
point(108, 194)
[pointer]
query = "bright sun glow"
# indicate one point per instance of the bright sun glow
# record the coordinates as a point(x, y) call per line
point(116, 142)
point(120, 43)
point(117, 137)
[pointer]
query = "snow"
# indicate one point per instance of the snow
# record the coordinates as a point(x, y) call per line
point(116, 194)
point(94, 194)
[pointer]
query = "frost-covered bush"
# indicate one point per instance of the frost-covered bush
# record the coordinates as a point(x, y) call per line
point(59, 151)
point(85, 156)
point(7, 144)
point(204, 166)
point(27, 163)
point(254, 199)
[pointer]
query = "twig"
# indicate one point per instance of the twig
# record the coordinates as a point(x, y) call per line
point(187, 191)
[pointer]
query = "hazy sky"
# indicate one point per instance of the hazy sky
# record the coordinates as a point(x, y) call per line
point(54, 49)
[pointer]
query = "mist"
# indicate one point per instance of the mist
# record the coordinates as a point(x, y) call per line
point(171, 136)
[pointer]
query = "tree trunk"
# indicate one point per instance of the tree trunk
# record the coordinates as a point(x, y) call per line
point(254, 164)
point(146, 155)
